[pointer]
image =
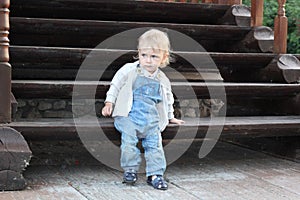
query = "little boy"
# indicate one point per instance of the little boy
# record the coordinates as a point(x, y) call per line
point(141, 102)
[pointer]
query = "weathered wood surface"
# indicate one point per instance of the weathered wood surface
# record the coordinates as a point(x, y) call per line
point(15, 156)
point(252, 106)
point(228, 172)
point(71, 58)
point(182, 90)
point(5, 88)
point(283, 147)
point(290, 67)
point(11, 180)
point(259, 39)
point(88, 33)
point(284, 68)
point(259, 126)
point(120, 10)
point(14, 105)
point(239, 15)
point(50, 63)
point(50, 57)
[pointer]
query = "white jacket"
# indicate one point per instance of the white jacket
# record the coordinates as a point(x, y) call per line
point(121, 95)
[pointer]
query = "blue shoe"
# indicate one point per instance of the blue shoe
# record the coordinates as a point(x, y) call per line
point(158, 182)
point(130, 177)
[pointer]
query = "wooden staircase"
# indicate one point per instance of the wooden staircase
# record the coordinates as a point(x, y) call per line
point(50, 40)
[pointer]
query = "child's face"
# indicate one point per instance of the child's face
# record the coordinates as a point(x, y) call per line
point(151, 59)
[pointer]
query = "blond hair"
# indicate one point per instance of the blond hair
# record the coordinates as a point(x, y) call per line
point(156, 39)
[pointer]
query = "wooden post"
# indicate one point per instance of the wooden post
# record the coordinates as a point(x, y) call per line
point(5, 68)
point(257, 12)
point(280, 29)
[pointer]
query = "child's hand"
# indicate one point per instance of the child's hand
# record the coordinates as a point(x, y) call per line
point(107, 109)
point(176, 121)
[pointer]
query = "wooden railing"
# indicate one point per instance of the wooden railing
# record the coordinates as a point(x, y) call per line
point(280, 23)
point(5, 68)
point(257, 11)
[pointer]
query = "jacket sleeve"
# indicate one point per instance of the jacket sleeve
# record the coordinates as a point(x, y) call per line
point(118, 82)
point(170, 99)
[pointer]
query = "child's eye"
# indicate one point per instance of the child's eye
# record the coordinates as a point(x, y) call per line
point(154, 57)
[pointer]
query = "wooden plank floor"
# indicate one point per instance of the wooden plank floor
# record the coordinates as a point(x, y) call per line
point(228, 172)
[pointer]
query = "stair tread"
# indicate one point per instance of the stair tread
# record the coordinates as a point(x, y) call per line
point(36, 129)
point(205, 121)
point(64, 89)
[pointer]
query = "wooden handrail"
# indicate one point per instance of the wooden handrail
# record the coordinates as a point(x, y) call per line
point(5, 68)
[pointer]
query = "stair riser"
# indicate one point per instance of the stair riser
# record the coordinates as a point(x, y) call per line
point(116, 10)
point(89, 34)
point(63, 64)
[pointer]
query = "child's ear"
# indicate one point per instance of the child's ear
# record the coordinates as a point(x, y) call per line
point(165, 56)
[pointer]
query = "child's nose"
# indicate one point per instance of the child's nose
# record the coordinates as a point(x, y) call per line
point(148, 59)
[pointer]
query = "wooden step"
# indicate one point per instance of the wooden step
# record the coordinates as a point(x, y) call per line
point(120, 10)
point(64, 89)
point(89, 34)
point(52, 63)
point(232, 127)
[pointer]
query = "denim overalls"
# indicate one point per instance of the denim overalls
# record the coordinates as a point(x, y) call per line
point(142, 123)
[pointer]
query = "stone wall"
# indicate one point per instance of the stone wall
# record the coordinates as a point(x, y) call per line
point(57, 108)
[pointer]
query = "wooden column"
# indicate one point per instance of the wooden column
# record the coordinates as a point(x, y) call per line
point(280, 29)
point(5, 68)
point(257, 12)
